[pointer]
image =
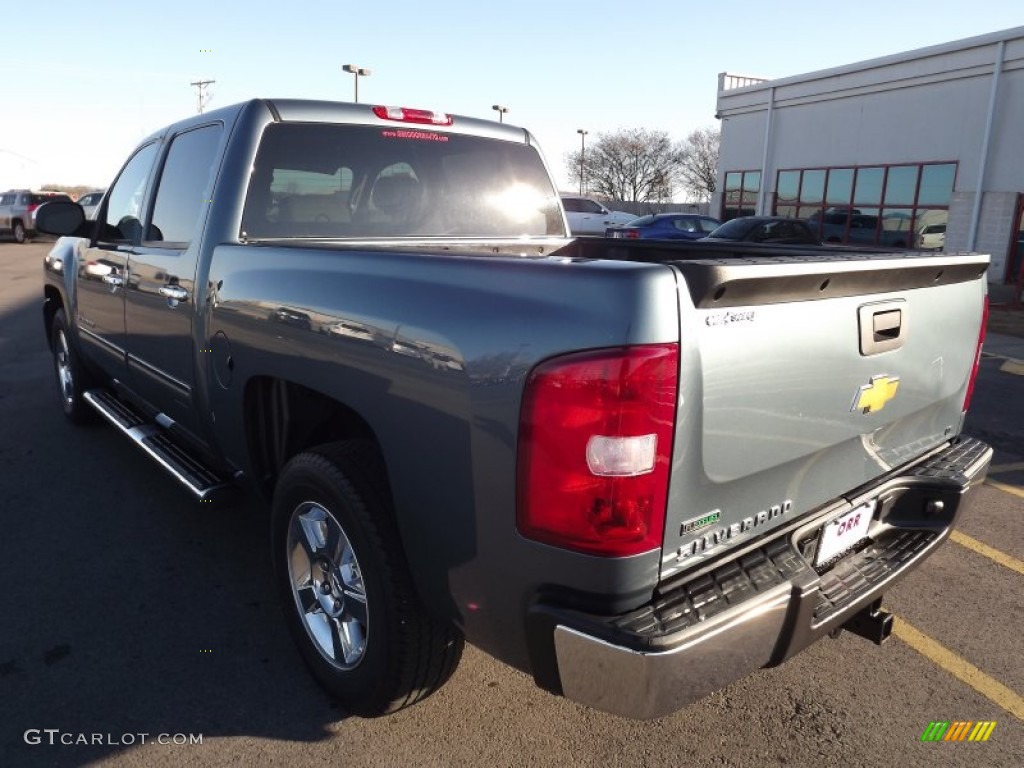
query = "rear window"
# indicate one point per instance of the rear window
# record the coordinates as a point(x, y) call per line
point(735, 229)
point(37, 198)
point(342, 181)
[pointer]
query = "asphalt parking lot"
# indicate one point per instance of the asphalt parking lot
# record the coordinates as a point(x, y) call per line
point(127, 610)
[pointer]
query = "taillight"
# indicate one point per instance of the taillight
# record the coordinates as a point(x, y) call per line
point(406, 115)
point(31, 207)
point(595, 444)
point(977, 356)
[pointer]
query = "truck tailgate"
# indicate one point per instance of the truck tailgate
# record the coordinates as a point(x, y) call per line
point(803, 379)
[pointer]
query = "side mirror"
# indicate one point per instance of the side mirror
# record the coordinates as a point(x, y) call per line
point(60, 218)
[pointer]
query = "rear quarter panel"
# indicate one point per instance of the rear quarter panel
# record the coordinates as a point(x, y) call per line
point(433, 352)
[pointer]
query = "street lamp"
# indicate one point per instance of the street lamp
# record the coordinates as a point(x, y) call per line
point(357, 71)
point(583, 152)
point(501, 112)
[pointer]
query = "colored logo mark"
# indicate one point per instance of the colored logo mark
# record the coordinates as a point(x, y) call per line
point(873, 397)
point(958, 730)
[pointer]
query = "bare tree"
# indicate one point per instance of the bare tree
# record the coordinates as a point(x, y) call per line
point(633, 164)
point(699, 163)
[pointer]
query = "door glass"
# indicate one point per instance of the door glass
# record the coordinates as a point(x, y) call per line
point(184, 187)
point(123, 222)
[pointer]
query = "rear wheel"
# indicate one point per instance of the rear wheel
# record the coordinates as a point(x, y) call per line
point(19, 232)
point(346, 590)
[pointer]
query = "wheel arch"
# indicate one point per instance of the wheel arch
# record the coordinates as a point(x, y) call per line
point(53, 301)
point(283, 419)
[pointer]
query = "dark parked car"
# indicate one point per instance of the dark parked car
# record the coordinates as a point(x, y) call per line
point(766, 229)
point(666, 226)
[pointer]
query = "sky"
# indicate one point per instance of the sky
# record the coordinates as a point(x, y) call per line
point(86, 81)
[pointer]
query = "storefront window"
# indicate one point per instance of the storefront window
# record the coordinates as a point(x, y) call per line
point(740, 195)
point(936, 184)
point(840, 184)
point(869, 186)
point(845, 205)
point(901, 184)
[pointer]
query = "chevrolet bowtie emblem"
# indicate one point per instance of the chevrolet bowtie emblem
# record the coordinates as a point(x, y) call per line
point(874, 396)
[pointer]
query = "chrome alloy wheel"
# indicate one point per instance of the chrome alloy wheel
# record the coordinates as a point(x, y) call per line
point(327, 585)
point(65, 378)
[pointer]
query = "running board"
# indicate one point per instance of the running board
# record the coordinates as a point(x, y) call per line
point(154, 440)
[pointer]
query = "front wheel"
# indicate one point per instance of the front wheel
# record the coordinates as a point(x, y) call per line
point(72, 376)
point(346, 590)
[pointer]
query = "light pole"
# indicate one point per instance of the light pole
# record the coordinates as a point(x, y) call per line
point(501, 112)
point(583, 153)
point(356, 71)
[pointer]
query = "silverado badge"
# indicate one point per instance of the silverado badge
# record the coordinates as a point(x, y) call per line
point(874, 396)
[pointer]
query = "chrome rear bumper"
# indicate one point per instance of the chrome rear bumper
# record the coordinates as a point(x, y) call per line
point(761, 606)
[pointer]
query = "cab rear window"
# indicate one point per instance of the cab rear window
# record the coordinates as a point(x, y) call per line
point(328, 181)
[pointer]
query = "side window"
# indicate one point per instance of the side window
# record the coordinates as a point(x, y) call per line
point(708, 225)
point(590, 206)
point(123, 222)
point(184, 187)
point(7, 200)
point(572, 205)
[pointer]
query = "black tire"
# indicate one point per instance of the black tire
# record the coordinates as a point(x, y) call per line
point(71, 375)
point(382, 652)
point(20, 236)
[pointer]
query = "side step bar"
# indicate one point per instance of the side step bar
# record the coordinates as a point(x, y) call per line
point(153, 439)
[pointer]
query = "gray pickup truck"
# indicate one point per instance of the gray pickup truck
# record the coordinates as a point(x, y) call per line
point(638, 470)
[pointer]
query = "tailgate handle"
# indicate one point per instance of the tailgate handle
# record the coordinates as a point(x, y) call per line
point(887, 324)
point(883, 327)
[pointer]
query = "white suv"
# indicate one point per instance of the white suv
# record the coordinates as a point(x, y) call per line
point(589, 217)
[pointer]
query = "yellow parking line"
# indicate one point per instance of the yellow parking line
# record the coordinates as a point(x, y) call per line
point(1015, 367)
point(995, 469)
point(1016, 490)
point(960, 668)
point(995, 555)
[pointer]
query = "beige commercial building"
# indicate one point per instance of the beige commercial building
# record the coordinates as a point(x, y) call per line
point(923, 149)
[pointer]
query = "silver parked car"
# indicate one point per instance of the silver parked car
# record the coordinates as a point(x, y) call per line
point(18, 211)
point(90, 201)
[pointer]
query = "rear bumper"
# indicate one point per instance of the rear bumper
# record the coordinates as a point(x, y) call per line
point(754, 608)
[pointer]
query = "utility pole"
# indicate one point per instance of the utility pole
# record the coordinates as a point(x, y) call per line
point(203, 96)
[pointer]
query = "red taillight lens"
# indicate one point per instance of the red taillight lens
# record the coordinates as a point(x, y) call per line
point(595, 443)
point(977, 356)
point(406, 115)
point(31, 207)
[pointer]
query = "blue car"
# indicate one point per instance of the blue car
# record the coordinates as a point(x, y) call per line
point(666, 226)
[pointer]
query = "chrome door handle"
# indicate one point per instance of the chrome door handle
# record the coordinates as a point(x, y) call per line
point(114, 280)
point(175, 292)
